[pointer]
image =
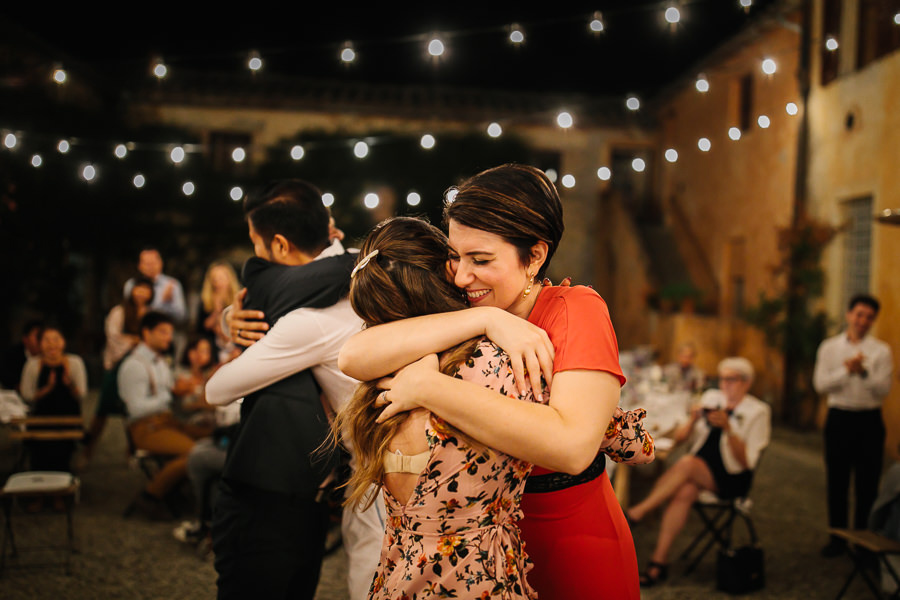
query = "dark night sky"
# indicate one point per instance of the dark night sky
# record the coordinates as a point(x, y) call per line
point(639, 52)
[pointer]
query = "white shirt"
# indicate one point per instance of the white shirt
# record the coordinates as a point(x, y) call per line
point(302, 339)
point(145, 383)
point(850, 391)
point(751, 420)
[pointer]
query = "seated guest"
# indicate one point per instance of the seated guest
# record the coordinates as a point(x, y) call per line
point(197, 366)
point(145, 384)
point(729, 430)
point(683, 375)
point(14, 358)
point(54, 384)
point(220, 286)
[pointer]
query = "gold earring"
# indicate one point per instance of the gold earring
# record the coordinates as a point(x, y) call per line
point(529, 286)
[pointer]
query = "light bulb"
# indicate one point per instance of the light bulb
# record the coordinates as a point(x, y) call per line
point(188, 188)
point(831, 44)
point(791, 108)
point(704, 144)
point(413, 198)
point(673, 15)
point(702, 84)
point(255, 63)
point(596, 24)
point(297, 152)
point(361, 149)
point(10, 140)
point(88, 172)
point(769, 67)
point(59, 76)
point(763, 121)
point(177, 155)
point(638, 165)
point(36, 161)
point(62, 146)
point(632, 103)
point(671, 155)
point(160, 70)
point(494, 130)
point(121, 151)
point(564, 120)
point(139, 181)
point(427, 141)
point(603, 173)
point(516, 36)
point(327, 199)
point(371, 200)
point(734, 133)
point(435, 47)
point(236, 193)
point(552, 175)
point(568, 181)
point(238, 154)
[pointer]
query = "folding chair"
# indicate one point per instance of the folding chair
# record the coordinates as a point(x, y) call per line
point(880, 546)
point(41, 484)
point(718, 517)
point(149, 464)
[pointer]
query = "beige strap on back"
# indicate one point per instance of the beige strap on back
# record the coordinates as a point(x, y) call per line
point(400, 463)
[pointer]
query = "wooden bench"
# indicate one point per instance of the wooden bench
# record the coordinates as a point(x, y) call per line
point(879, 546)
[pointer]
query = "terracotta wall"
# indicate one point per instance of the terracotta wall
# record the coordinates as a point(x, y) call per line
point(858, 161)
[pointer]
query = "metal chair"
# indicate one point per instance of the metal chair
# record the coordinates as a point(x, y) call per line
point(879, 546)
point(718, 517)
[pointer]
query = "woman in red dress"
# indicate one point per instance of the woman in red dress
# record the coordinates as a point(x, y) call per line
point(504, 226)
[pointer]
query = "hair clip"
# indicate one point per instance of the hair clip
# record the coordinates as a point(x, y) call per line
point(363, 262)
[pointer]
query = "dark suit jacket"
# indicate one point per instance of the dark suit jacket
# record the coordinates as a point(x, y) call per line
point(277, 447)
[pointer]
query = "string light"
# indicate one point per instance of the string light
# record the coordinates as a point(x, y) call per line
point(88, 172)
point(62, 147)
point(427, 141)
point(435, 47)
point(10, 140)
point(564, 120)
point(552, 175)
point(121, 151)
point(704, 144)
point(177, 155)
point(568, 181)
point(831, 44)
point(348, 54)
point(59, 76)
point(671, 155)
point(516, 35)
point(413, 198)
point(188, 188)
point(673, 15)
point(238, 154)
point(36, 161)
point(763, 121)
point(236, 193)
point(734, 133)
point(638, 165)
point(791, 108)
point(632, 103)
point(603, 173)
point(897, 19)
point(327, 199)
point(494, 130)
point(160, 69)
point(361, 149)
point(254, 63)
point(745, 4)
point(138, 181)
point(769, 67)
point(596, 24)
point(702, 84)
point(297, 152)
point(371, 200)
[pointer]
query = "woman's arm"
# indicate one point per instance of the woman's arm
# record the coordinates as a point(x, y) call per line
point(564, 435)
point(376, 352)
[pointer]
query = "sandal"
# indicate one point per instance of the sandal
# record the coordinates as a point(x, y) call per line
point(648, 580)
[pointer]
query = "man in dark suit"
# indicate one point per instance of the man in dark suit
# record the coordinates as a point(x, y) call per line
point(268, 528)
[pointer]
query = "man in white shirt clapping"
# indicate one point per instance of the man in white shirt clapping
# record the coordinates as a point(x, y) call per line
point(854, 370)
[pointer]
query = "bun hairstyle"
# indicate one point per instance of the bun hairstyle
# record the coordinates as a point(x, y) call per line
point(408, 277)
point(517, 202)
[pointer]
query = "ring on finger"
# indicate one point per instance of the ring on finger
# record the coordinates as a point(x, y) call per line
point(384, 398)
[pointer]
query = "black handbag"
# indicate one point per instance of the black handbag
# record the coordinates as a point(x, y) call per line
point(740, 570)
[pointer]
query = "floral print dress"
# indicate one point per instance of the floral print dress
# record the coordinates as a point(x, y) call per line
point(457, 536)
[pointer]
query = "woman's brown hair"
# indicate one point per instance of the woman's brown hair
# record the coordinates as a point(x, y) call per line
point(517, 202)
point(406, 278)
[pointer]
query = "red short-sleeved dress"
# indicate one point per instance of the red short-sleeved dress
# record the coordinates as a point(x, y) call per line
point(578, 537)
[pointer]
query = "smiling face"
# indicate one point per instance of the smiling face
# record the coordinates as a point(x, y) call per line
point(53, 346)
point(734, 385)
point(490, 270)
point(200, 355)
point(860, 319)
point(150, 264)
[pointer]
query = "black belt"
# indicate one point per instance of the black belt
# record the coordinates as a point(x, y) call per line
point(552, 482)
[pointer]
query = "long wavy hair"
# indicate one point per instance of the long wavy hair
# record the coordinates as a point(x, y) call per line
point(207, 293)
point(408, 277)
